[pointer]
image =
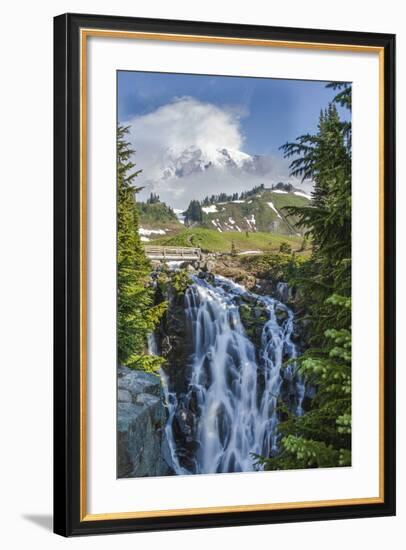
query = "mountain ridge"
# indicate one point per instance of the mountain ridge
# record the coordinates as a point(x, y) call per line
point(260, 209)
point(175, 172)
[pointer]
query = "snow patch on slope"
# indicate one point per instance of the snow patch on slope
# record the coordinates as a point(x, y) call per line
point(148, 232)
point(209, 209)
point(301, 194)
point(216, 224)
point(180, 215)
point(271, 205)
point(251, 222)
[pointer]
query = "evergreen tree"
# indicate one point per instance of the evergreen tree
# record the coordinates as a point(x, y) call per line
point(344, 97)
point(288, 187)
point(137, 315)
point(322, 436)
point(194, 212)
point(325, 158)
point(153, 199)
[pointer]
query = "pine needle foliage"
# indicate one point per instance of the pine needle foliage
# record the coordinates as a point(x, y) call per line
point(322, 436)
point(137, 315)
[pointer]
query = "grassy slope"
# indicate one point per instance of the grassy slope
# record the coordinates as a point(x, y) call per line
point(157, 215)
point(280, 200)
point(266, 218)
point(210, 240)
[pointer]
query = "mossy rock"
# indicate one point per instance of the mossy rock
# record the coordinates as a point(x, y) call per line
point(253, 317)
point(281, 314)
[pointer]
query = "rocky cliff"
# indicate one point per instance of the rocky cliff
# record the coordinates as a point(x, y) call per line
point(142, 447)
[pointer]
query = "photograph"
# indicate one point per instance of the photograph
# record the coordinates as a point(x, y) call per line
point(224, 266)
point(201, 313)
point(233, 274)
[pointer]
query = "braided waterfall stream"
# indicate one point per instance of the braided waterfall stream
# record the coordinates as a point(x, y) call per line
point(228, 414)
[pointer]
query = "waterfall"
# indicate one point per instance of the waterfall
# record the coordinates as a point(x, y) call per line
point(229, 411)
point(152, 345)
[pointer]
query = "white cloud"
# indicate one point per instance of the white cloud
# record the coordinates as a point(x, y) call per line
point(178, 147)
point(178, 125)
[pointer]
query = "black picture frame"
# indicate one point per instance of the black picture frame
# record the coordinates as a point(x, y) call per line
point(67, 350)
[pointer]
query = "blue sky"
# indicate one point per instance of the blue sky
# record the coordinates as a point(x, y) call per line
point(180, 126)
point(270, 111)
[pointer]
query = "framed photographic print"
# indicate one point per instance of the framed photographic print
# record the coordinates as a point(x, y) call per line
point(224, 274)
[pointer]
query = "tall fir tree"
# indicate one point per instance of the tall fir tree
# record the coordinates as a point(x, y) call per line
point(194, 212)
point(137, 315)
point(322, 436)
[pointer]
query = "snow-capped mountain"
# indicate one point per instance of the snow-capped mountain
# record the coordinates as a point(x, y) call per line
point(194, 160)
point(178, 176)
point(187, 149)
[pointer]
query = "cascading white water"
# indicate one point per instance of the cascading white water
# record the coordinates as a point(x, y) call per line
point(152, 345)
point(232, 390)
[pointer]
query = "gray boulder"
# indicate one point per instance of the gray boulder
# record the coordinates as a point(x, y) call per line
point(124, 396)
point(142, 447)
point(136, 382)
